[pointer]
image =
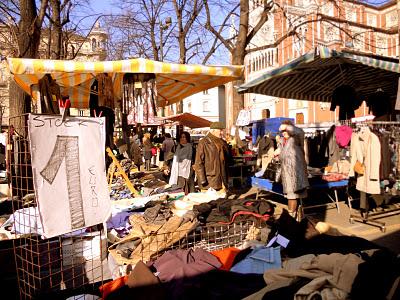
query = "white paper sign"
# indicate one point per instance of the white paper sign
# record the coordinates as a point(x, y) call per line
point(243, 118)
point(69, 172)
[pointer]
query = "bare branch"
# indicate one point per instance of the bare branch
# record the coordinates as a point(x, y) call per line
point(216, 33)
point(42, 13)
point(261, 21)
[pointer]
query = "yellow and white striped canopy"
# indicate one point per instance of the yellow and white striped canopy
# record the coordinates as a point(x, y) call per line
point(174, 81)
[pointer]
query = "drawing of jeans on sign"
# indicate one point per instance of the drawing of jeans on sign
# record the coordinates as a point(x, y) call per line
point(66, 149)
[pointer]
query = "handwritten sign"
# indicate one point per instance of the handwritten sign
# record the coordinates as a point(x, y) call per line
point(69, 172)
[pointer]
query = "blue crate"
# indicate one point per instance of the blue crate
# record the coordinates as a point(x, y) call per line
point(271, 125)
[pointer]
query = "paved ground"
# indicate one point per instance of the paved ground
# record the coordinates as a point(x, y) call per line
point(340, 221)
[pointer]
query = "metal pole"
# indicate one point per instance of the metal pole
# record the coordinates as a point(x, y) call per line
point(398, 30)
point(162, 58)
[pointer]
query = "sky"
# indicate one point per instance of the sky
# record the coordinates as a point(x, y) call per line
point(95, 8)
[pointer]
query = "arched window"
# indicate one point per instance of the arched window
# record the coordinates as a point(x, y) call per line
point(94, 44)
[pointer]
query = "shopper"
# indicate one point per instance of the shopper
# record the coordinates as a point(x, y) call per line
point(168, 146)
point(181, 172)
point(293, 167)
point(135, 152)
point(147, 146)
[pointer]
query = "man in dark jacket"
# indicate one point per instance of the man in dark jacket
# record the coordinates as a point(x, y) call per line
point(212, 156)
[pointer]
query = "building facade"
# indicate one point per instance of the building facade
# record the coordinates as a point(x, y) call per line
point(341, 24)
point(209, 104)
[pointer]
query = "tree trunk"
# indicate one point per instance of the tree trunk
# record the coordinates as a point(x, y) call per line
point(182, 48)
point(235, 101)
point(56, 40)
point(29, 32)
point(28, 45)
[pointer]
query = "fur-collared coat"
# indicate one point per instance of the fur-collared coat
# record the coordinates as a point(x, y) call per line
point(294, 174)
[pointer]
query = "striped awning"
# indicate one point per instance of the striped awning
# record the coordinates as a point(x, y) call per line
point(174, 81)
point(315, 75)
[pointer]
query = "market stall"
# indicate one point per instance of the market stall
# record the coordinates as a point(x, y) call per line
point(344, 78)
point(136, 88)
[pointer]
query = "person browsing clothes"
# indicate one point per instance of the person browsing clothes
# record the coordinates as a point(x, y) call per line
point(181, 172)
point(294, 174)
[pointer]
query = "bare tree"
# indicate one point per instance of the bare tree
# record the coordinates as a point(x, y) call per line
point(27, 31)
point(58, 17)
point(136, 31)
point(237, 44)
point(157, 29)
point(240, 42)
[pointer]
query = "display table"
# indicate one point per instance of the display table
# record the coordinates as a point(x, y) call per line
point(276, 188)
point(242, 167)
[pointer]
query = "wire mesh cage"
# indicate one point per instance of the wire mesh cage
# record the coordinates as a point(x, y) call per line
point(53, 268)
point(150, 246)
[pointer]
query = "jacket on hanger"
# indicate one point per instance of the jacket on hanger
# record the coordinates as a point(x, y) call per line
point(366, 148)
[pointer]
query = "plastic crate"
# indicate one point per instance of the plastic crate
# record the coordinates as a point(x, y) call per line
point(271, 125)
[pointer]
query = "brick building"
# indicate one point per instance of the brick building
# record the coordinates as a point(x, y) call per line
point(341, 24)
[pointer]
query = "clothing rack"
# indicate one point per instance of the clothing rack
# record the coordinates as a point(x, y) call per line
point(372, 218)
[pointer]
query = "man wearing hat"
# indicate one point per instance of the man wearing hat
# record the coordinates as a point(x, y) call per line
point(211, 159)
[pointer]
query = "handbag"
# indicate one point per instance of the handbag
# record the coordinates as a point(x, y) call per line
point(359, 168)
point(273, 171)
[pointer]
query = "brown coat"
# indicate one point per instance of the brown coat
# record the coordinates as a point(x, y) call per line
point(136, 154)
point(211, 162)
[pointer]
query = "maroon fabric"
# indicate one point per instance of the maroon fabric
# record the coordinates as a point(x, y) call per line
point(178, 264)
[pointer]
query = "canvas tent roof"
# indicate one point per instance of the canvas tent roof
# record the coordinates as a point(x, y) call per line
point(188, 120)
point(316, 74)
point(174, 81)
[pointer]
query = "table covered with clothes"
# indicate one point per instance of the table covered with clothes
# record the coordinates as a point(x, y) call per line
point(316, 183)
point(292, 261)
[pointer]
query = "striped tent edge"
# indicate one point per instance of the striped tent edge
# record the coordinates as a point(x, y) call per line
point(365, 60)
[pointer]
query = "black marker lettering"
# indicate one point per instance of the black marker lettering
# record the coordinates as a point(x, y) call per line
point(37, 118)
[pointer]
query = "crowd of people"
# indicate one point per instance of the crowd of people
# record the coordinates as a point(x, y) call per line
point(180, 160)
point(206, 163)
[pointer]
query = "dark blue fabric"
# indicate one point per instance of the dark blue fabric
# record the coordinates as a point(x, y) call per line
point(259, 260)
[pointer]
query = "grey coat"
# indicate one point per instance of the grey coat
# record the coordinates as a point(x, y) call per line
point(293, 163)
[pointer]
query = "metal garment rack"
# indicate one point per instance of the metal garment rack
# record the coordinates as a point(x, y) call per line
point(372, 218)
point(368, 218)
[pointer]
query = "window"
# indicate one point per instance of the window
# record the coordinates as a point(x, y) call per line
point(266, 114)
point(299, 118)
point(190, 107)
point(205, 92)
point(94, 44)
point(206, 106)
